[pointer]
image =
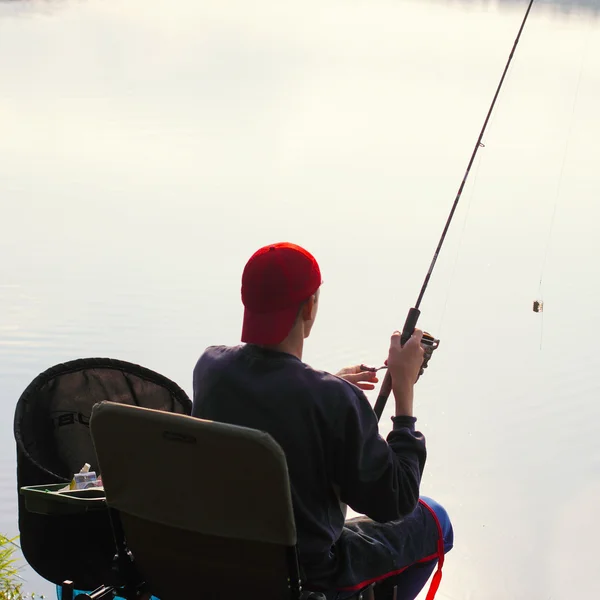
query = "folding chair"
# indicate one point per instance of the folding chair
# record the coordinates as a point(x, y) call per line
point(205, 507)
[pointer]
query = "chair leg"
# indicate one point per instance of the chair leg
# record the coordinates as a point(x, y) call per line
point(66, 590)
point(102, 593)
point(368, 593)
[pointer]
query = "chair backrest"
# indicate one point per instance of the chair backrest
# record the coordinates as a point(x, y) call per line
point(206, 507)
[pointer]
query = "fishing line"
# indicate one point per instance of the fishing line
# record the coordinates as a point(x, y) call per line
point(414, 313)
point(564, 160)
point(461, 237)
point(560, 179)
point(460, 241)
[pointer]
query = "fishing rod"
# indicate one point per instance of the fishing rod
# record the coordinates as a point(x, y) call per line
point(428, 342)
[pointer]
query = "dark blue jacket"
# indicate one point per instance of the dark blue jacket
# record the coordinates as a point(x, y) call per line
point(329, 434)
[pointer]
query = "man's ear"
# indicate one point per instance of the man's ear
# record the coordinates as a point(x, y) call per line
point(307, 309)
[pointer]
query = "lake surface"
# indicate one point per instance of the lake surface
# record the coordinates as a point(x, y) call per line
point(147, 149)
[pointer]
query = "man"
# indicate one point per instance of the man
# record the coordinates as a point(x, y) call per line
point(329, 434)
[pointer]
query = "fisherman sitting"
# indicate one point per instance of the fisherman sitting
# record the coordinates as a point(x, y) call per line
point(329, 433)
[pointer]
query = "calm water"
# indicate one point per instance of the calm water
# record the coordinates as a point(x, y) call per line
point(147, 149)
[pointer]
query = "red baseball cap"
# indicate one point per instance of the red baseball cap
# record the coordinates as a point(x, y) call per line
point(275, 282)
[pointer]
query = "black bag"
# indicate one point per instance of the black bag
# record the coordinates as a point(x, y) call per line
point(53, 442)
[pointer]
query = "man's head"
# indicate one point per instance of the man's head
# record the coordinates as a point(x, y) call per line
point(280, 289)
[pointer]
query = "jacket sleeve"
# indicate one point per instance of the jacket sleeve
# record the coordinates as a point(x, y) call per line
point(377, 478)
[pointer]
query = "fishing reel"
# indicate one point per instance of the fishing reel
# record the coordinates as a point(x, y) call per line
point(429, 344)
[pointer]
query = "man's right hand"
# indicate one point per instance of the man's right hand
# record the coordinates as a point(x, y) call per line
point(404, 365)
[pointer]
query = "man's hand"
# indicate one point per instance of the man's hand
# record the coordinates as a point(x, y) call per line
point(404, 362)
point(404, 365)
point(365, 380)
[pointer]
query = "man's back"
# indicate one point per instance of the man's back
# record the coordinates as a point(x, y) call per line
point(327, 430)
point(329, 434)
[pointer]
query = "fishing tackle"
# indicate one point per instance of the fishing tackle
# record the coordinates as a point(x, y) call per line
point(414, 313)
point(538, 306)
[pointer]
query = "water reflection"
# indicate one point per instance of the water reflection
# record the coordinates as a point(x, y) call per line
point(146, 150)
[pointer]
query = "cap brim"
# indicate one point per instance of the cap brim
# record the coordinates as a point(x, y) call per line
point(268, 329)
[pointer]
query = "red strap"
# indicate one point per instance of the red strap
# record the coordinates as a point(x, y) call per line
point(435, 584)
point(437, 576)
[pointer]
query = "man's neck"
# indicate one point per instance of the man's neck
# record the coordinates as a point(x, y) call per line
point(291, 345)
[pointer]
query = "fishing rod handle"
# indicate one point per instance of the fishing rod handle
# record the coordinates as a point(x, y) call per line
point(410, 325)
point(384, 392)
point(386, 386)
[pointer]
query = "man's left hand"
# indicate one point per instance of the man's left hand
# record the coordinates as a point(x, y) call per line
point(365, 380)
